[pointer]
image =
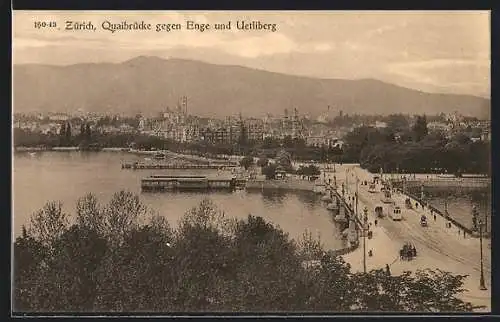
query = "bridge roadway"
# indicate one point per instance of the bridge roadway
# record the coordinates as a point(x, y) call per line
point(437, 246)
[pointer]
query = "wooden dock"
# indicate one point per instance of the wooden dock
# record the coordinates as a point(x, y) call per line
point(172, 166)
point(191, 183)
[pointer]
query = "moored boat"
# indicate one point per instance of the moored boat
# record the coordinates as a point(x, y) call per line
point(331, 206)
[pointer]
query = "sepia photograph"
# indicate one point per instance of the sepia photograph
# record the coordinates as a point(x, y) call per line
point(252, 162)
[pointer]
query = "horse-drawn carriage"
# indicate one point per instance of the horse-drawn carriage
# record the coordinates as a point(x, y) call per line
point(379, 211)
point(423, 221)
point(408, 203)
point(407, 252)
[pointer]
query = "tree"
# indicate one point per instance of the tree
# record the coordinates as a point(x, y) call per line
point(62, 131)
point(123, 213)
point(288, 142)
point(89, 215)
point(29, 255)
point(208, 263)
point(246, 162)
point(259, 244)
point(284, 159)
point(309, 171)
point(88, 132)
point(269, 171)
point(49, 223)
point(68, 131)
point(82, 130)
point(397, 122)
point(263, 161)
point(420, 128)
point(422, 291)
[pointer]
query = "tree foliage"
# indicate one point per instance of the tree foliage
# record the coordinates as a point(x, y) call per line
point(284, 159)
point(270, 171)
point(420, 128)
point(246, 162)
point(310, 170)
point(262, 162)
point(208, 263)
point(416, 151)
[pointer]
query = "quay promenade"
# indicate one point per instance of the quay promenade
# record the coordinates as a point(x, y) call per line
point(434, 181)
point(438, 247)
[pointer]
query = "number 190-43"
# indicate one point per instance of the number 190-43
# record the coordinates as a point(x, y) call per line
point(45, 24)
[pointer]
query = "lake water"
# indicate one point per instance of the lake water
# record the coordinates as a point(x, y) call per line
point(459, 202)
point(67, 176)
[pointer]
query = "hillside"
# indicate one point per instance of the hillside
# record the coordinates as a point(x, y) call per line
point(151, 83)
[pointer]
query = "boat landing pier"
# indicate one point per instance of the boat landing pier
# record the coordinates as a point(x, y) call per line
point(191, 183)
point(171, 166)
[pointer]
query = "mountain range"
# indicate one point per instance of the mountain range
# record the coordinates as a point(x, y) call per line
point(148, 84)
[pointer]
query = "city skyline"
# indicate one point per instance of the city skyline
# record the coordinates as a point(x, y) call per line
point(344, 45)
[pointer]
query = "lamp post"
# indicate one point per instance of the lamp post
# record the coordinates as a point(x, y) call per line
point(484, 200)
point(346, 181)
point(422, 195)
point(474, 218)
point(482, 287)
point(365, 224)
point(356, 195)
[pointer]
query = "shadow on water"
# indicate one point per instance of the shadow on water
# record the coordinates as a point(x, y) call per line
point(308, 198)
point(273, 196)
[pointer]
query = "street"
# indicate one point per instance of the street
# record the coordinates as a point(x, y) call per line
point(437, 246)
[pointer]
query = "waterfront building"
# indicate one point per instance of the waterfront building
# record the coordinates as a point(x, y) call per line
point(58, 117)
point(439, 127)
point(255, 129)
point(486, 135)
point(316, 141)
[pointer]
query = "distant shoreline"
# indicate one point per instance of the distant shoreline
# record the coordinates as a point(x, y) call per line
point(421, 178)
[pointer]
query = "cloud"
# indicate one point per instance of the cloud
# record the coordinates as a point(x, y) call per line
point(442, 63)
point(384, 29)
point(459, 75)
point(272, 44)
point(434, 48)
point(27, 43)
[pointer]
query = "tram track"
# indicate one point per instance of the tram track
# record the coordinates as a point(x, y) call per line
point(410, 230)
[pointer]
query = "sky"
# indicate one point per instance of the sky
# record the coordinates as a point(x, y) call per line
point(434, 51)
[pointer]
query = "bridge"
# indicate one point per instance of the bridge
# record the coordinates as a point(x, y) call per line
point(439, 245)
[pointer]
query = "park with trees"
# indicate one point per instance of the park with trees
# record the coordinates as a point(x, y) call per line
point(121, 256)
point(412, 149)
